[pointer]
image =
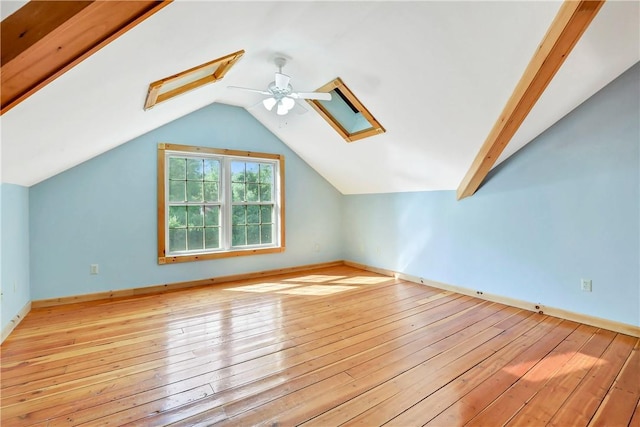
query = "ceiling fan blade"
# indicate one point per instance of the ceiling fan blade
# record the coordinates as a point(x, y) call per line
point(264, 92)
point(282, 81)
point(322, 96)
point(299, 108)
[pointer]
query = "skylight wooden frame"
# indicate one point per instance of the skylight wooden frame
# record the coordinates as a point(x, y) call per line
point(338, 84)
point(219, 67)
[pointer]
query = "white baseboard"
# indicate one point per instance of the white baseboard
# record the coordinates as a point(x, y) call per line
point(170, 287)
point(15, 321)
point(623, 328)
point(620, 327)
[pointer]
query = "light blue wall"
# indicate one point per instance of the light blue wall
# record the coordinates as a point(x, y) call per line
point(15, 250)
point(565, 207)
point(104, 212)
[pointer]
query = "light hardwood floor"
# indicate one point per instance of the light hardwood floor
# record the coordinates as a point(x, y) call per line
point(326, 347)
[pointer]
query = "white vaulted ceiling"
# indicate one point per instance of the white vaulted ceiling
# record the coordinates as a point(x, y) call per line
point(435, 74)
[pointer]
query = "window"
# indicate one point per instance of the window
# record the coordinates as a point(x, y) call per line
point(218, 203)
point(345, 113)
point(192, 78)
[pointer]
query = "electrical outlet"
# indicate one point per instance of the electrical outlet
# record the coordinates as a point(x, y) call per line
point(585, 285)
point(316, 247)
point(93, 269)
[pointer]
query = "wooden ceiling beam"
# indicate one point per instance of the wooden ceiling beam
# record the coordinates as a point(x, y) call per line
point(570, 23)
point(44, 39)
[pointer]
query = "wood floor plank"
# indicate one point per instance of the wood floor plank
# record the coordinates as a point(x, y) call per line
point(543, 406)
point(469, 405)
point(620, 402)
point(202, 367)
point(435, 377)
point(580, 407)
point(134, 350)
point(429, 361)
point(501, 410)
point(333, 346)
point(635, 420)
point(181, 328)
point(128, 411)
point(432, 405)
point(118, 350)
point(243, 411)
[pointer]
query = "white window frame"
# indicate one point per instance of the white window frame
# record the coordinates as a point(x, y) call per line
point(225, 157)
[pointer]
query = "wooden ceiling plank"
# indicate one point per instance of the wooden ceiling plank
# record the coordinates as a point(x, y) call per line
point(79, 33)
point(570, 23)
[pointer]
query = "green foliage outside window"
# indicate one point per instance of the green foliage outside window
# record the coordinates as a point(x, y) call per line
point(252, 195)
point(194, 217)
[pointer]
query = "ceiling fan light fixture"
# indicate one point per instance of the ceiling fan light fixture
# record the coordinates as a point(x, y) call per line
point(280, 93)
point(282, 109)
point(288, 103)
point(269, 103)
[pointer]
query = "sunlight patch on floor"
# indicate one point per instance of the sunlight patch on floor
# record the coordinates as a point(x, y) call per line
point(293, 288)
point(586, 362)
point(317, 290)
point(315, 278)
point(363, 280)
point(262, 287)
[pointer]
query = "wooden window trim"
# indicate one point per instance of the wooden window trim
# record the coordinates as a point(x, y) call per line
point(161, 213)
point(224, 64)
point(337, 83)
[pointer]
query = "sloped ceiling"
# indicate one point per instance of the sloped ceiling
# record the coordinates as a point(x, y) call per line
point(435, 74)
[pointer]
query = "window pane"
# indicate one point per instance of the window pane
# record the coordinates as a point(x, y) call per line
point(265, 193)
point(266, 214)
point(239, 237)
point(194, 191)
point(253, 234)
point(177, 168)
point(196, 196)
point(177, 216)
point(266, 232)
point(212, 238)
point(195, 238)
point(253, 214)
point(211, 216)
point(266, 173)
point(252, 172)
point(211, 170)
point(177, 239)
point(211, 192)
point(237, 192)
point(252, 192)
point(238, 214)
point(176, 191)
point(195, 169)
point(237, 171)
point(194, 216)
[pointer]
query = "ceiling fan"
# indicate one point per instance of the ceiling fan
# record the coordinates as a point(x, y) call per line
point(280, 93)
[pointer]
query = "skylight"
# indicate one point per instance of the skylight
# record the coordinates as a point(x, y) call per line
point(193, 78)
point(345, 113)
